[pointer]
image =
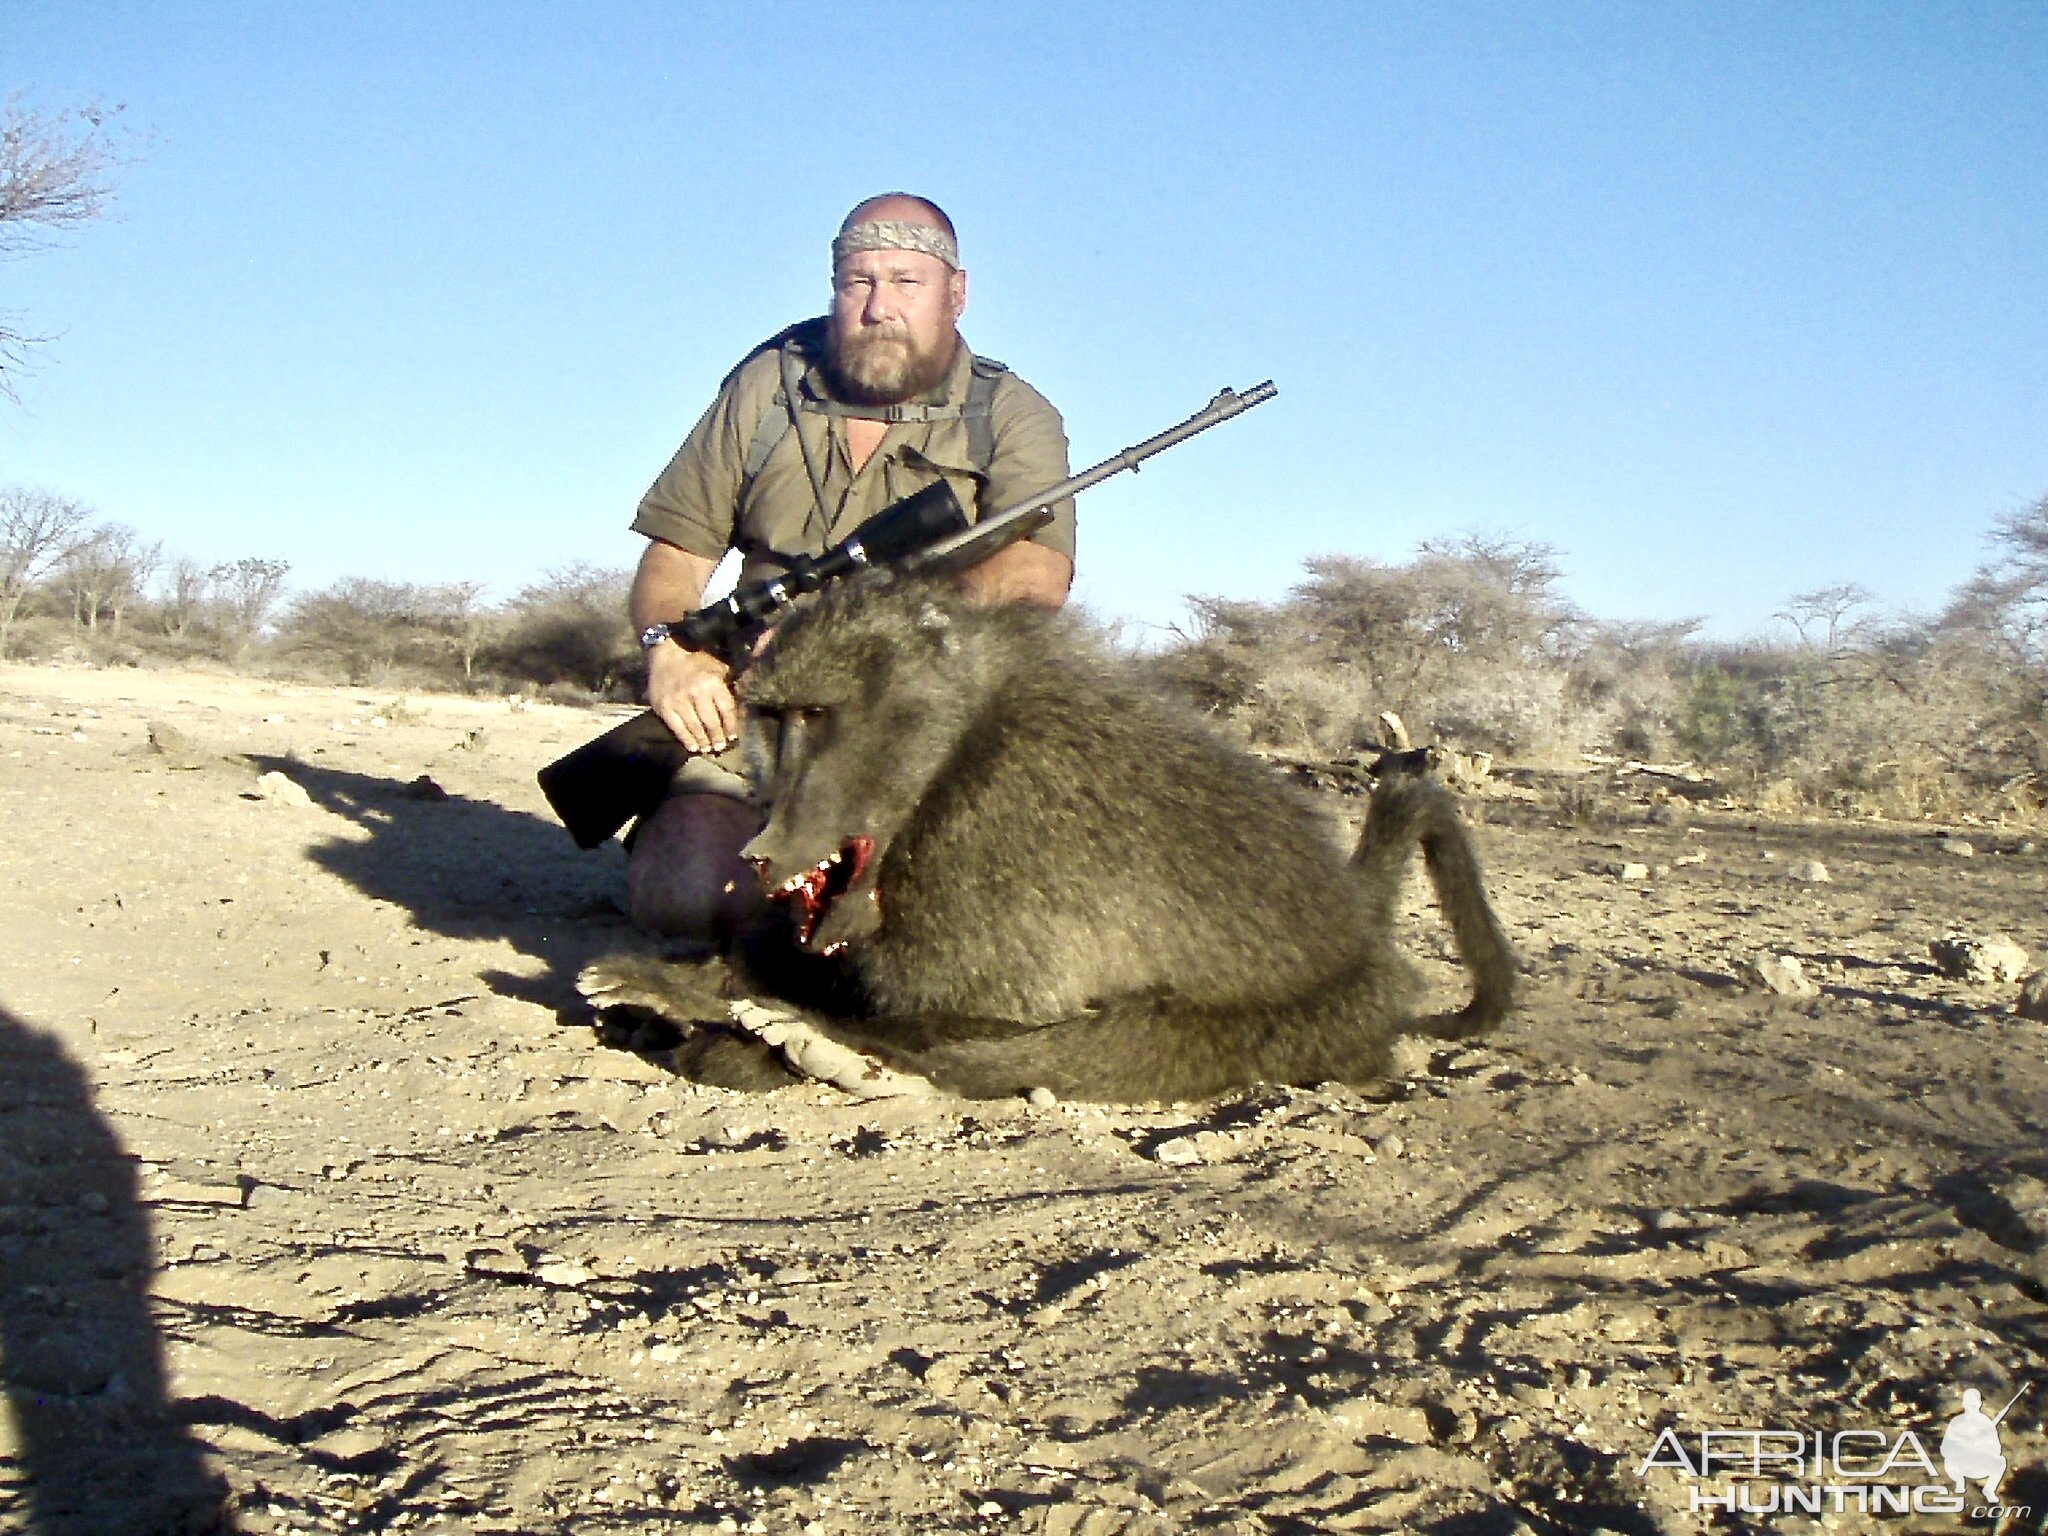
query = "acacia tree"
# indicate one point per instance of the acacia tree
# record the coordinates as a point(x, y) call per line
point(1993, 643)
point(183, 595)
point(105, 572)
point(1821, 617)
point(37, 531)
point(244, 593)
point(55, 174)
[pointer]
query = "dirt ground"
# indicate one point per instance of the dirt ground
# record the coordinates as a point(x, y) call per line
point(323, 1203)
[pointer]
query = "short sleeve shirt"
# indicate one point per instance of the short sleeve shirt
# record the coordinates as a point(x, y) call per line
point(703, 503)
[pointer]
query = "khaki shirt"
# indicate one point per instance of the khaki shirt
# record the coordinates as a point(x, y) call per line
point(700, 505)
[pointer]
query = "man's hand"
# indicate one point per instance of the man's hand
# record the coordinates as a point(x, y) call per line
point(690, 690)
point(691, 693)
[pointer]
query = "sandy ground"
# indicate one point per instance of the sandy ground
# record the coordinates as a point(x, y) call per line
point(322, 1202)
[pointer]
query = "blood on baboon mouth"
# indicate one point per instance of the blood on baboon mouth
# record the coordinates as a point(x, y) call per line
point(812, 892)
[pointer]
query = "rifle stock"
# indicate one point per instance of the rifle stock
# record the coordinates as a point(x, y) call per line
point(605, 783)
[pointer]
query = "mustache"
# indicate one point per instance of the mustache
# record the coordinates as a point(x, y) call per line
point(877, 336)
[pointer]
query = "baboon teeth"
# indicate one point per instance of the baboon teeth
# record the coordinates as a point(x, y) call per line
point(815, 889)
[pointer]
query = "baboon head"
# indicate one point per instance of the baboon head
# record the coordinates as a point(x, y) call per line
point(852, 712)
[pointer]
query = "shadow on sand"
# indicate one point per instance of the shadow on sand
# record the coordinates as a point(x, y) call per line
point(91, 1444)
point(471, 869)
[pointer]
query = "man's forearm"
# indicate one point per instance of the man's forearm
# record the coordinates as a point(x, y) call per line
point(1022, 572)
point(668, 585)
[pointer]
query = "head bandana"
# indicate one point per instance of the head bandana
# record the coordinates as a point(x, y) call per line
point(895, 235)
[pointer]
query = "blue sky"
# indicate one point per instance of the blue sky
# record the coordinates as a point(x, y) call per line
point(1724, 300)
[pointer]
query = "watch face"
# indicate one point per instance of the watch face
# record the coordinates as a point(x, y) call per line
point(652, 636)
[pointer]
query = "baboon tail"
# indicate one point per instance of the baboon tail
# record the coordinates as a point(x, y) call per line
point(1408, 810)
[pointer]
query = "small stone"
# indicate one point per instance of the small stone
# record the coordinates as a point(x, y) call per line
point(279, 790)
point(1177, 1153)
point(1962, 848)
point(176, 748)
point(1391, 1146)
point(1628, 874)
point(266, 1197)
point(1768, 856)
point(1782, 974)
point(1812, 872)
point(2033, 1001)
point(1991, 958)
point(1042, 1098)
point(94, 1203)
point(424, 788)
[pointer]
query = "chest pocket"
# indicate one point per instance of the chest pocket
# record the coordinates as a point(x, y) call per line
point(909, 469)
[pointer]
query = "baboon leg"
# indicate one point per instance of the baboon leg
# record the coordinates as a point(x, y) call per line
point(724, 1058)
point(1155, 1049)
point(1406, 812)
point(692, 995)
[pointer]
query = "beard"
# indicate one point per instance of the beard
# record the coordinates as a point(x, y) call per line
point(885, 366)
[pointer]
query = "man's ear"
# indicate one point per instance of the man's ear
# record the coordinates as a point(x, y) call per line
point(956, 290)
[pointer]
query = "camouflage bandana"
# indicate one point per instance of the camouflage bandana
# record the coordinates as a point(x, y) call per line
point(894, 235)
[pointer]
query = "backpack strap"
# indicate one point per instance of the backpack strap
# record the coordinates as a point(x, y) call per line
point(981, 394)
point(794, 348)
point(768, 432)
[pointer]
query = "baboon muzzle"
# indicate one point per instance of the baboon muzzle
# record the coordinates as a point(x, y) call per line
point(812, 893)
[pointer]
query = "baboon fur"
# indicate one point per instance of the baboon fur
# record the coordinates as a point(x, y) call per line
point(1073, 883)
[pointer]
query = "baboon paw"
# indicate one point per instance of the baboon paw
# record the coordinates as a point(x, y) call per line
point(624, 981)
point(812, 1053)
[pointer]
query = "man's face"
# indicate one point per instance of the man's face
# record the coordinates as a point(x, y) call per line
point(891, 331)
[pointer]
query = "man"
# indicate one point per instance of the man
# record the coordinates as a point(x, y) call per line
point(809, 437)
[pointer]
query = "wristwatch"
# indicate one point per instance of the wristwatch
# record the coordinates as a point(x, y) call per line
point(653, 635)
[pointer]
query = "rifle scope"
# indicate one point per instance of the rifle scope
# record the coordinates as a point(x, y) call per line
point(890, 536)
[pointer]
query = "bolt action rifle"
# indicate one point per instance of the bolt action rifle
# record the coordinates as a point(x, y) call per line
point(626, 772)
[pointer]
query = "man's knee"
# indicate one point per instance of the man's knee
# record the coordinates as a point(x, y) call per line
point(685, 877)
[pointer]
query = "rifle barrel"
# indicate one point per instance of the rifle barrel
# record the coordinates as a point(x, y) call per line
point(1227, 404)
point(2015, 1398)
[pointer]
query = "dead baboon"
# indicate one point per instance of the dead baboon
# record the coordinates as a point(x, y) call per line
point(1044, 875)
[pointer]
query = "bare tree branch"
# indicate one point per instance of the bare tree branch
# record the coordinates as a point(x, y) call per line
point(56, 173)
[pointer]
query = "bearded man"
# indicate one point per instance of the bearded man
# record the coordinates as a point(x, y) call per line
point(811, 435)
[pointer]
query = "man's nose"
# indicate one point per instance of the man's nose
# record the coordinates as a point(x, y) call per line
point(880, 308)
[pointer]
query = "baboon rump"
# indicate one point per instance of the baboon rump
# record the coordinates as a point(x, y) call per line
point(1046, 874)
